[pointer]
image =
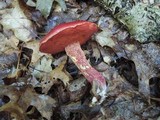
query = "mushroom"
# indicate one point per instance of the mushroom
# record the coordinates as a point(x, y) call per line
point(69, 36)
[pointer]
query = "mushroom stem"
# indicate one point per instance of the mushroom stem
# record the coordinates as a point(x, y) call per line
point(77, 55)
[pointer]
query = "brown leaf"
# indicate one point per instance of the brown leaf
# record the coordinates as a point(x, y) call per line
point(43, 103)
point(15, 110)
point(61, 73)
point(34, 45)
point(8, 45)
point(15, 19)
point(11, 92)
point(46, 83)
point(147, 63)
point(42, 67)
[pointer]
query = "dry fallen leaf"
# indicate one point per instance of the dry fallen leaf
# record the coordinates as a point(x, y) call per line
point(31, 3)
point(147, 64)
point(104, 38)
point(39, 77)
point(62, 4)
point(46, 83)
point(43, 103)
point(44, 6)
point(12, 106)
point(21, 99)
point(7, 64)
point(15, 110)
point(60, 60)
point(34, 45)
point(14, 19)
point(8, 45)
point(78, 88)
point(3, 4)
point(61, 73)
point(96, 55)
point(42, 67)
point(10, 91)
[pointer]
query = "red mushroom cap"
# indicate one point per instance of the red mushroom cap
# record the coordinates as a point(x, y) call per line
point(67, 33)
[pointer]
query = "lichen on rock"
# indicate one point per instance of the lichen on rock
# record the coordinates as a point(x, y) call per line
point(141, 19)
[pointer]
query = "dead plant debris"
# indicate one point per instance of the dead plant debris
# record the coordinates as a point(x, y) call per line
point(125, 50)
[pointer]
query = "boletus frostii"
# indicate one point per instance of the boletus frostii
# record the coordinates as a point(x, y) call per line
point(69, 36)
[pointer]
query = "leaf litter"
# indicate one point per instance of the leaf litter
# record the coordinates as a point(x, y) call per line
point(40, 86)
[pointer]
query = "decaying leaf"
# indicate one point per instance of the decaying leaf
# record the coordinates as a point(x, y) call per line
point(8, 45)
point(36, 55)
point(15, 19)
point(9, 91)
point(127, 107)
point(95, 58)
point(147, 62)
point(48, 76)
point(31, 3)
point(21, 99)
point(91, 13)
point(108, 54)
point(4, 4)
point(33, 81)
point(7, 60)
point(78, 88)
point(12, 107)
point(60, 60)
point(86, 110)
point(44, 6)
point(46, 83)
point(111, 32)
point(62, 4)
point(104, 38)
point(15, 110)
point(42, 67)
point(43, 103)
point(61, 74)
point(39, 77)
point(7, 64)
